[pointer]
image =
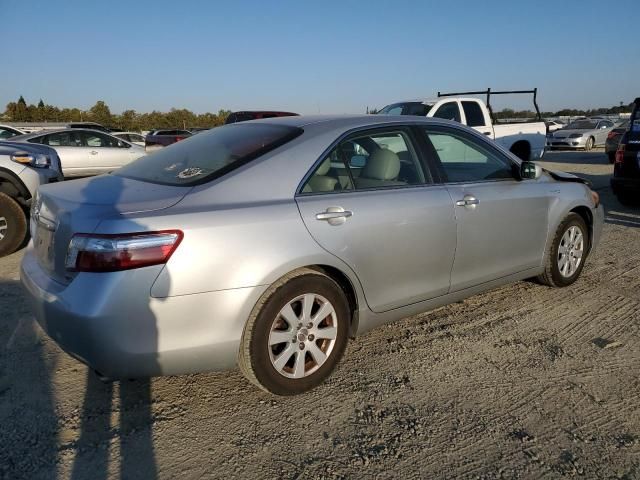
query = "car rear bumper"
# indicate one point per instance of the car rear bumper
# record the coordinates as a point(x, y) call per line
point(112, 324)
point(619, 184)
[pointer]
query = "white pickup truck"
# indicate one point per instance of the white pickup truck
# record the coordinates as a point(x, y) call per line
point(525, 139)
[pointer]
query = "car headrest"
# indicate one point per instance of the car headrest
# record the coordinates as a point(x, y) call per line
point(324, 167)
point(383, 164)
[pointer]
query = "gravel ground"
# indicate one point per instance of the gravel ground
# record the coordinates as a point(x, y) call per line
point(524, 381)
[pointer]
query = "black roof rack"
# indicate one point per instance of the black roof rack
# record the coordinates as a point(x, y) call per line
point(488, 92)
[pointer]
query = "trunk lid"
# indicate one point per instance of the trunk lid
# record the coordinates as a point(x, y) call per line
point(78, 206)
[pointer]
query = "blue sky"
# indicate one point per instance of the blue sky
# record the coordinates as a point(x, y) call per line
point(315, 57)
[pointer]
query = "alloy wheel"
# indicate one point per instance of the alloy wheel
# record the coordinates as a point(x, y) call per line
point(570, 251)
point(4, 227)
point(303, 335)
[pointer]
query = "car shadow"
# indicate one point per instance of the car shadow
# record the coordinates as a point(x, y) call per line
point(135, 420)
point(28, 420)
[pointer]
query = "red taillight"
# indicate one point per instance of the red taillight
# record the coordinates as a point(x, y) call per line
point(612, 134)
point(111, 253)
point(620, 153)
point(180, 138)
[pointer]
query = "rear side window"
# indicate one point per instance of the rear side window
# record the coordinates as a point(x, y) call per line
point(209, 155)
point(381, 159)
point(474, 115)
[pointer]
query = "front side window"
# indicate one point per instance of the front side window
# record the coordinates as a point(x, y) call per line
point(7, 133)
point(466, 160)
point(448, 111)
point(368, 161)
point(210, 155)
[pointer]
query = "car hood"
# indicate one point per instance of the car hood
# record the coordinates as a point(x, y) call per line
point(563, 132)
point(566, 177)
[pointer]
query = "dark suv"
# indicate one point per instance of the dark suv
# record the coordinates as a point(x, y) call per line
point(626, 170)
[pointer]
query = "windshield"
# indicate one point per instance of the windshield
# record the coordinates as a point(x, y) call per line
point(582, 125)
point(210, 155)
point(406, 108)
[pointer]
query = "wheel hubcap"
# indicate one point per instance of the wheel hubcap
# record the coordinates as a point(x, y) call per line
point(570, 251)
point(303, 335)
point(3, 227)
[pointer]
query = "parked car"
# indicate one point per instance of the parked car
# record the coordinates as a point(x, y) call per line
point(33, 127)
point(7, 132)
point(85, 152)
point(131, 137)
point(525, 140)
point(553, 125)
point(625, 182)
point(270, 243)
point(23, 168)
point(584, 134)
point(163, 138)
point(613, 139)
point(246, 115)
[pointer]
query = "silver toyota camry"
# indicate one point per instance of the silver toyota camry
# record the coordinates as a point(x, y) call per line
point(268, 244)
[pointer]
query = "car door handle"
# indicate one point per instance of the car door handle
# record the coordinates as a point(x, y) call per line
point(334, 215)
point(93, 152)
point(468, 201)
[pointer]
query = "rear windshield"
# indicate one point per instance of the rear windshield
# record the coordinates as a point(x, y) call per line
point(406, 108)
point(210, 155)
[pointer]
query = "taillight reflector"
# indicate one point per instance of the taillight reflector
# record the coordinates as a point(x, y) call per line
point(620, 153)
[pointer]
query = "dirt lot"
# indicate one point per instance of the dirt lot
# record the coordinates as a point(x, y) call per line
point(525, 381)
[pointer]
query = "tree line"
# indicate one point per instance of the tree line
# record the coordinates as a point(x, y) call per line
point(129, 120)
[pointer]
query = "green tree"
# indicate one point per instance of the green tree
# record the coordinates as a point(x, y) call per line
point(100, 113)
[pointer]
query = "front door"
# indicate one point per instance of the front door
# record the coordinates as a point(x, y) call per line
point(372, 204)
point(502, 222)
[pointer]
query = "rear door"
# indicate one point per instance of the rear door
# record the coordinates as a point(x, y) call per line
point(74, 156)
point(371, 203)
point(501, 221)
point(476, 118)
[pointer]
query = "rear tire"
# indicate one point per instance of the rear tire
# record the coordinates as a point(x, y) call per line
point(561, 268)
point(13, 225)
point(290, 343)
point(627, 199)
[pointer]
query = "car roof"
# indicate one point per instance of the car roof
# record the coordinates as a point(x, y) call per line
point(41, 133)
point(347, 121)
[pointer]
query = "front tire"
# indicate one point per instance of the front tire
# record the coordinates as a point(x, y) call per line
point(568, 252)
point(13, 225)
point(589, 145)
point(296, 334)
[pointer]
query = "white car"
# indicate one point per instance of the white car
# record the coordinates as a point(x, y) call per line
point(6, 132)
point(85, 152)
point(526, 140)
point(553, 125)
point(131, 137)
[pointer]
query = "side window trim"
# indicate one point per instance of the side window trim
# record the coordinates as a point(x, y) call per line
point(362, 131)
point(481, 140)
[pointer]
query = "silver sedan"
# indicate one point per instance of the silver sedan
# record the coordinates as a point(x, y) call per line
point(584, 134)
point(86, 152)
point(268, 244)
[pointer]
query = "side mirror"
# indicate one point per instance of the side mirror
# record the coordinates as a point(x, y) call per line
point(530, 171)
